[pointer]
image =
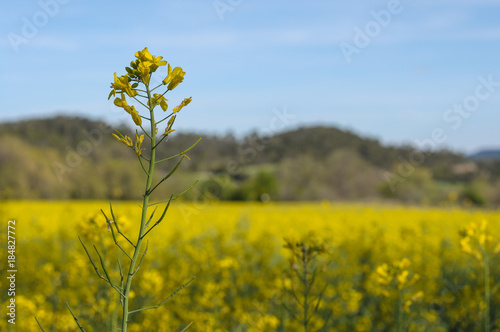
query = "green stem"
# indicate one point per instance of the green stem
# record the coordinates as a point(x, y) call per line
point(400, 311)
point(486, 292)
point(144, 218)
point(306, 289)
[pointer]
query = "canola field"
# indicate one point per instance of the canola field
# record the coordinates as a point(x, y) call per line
point(260, 267)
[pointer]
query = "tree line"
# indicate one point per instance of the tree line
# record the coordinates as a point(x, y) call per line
point(77, 158)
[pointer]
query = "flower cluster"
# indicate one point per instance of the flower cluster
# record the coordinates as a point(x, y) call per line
point(398, 274)
point(140, 72)
point(477, 241)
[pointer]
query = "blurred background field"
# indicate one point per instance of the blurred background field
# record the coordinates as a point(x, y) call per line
point(77, 158)
point(244, 272)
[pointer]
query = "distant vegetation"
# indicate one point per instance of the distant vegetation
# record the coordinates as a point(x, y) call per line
point(76, 158)
point(486, 155)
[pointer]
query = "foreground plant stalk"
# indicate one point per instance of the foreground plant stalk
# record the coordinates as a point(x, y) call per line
point(141, 72)
point(136, 84)
point(145, 204)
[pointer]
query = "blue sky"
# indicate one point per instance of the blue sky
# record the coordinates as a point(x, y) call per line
point(407, 66)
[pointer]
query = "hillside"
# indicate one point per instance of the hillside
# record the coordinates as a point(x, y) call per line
point(486, 155)
point(65, 157)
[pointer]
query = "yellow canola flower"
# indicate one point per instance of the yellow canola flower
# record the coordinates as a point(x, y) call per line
point(121, 84)
point(159, 99)
point(125, 140)
point(404, 263)
point(471, 231)
point(185, 102)
point(497, 249)
point(482, 239)
point(174, 77)
point(171, 122)
point(135, 116)
point(413, 279)
point(407, 305)
point(122, 102)
point(465, 245)
point(157, 62)
point(384, 276)
point(383, 271)
point(417, 296)
point(144, 55)
point(168, 131)
point(228, 262)
point(153, 61)
point(402, 278)
point(477, 241)
point(138, 143)
point(144, 71)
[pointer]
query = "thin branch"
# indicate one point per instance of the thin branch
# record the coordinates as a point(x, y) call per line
point(188, 189)
point(179, 154)
point(290, 311)
point(145, 132)
point(168, 175)
point(142, 165)
point(142, 258)
point(116, 225)
point(293, 293)
point(166, 300)
point(158, 122)
point(156, 87)
point(75, 318)
point(40, 325)
point(92, 261)
point(163, 94)
point(184, 329)
point(119, 290)
point(320, 297)
point(121, 280)
point(110, 227)
point(161, 140)
point(160, 202)
point(311, 281)
point(150, 218)
point(147, 159)
point(330, 314)
point(140, 102)
point(161, 217)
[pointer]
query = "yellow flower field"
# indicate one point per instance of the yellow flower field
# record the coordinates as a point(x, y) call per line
point(370, 267)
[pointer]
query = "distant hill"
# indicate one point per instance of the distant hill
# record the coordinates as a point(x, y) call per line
point(73, 157)
point(486, 155)
point(318, 142)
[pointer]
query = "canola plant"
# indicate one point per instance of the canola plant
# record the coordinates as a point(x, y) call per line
point(264, 267)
